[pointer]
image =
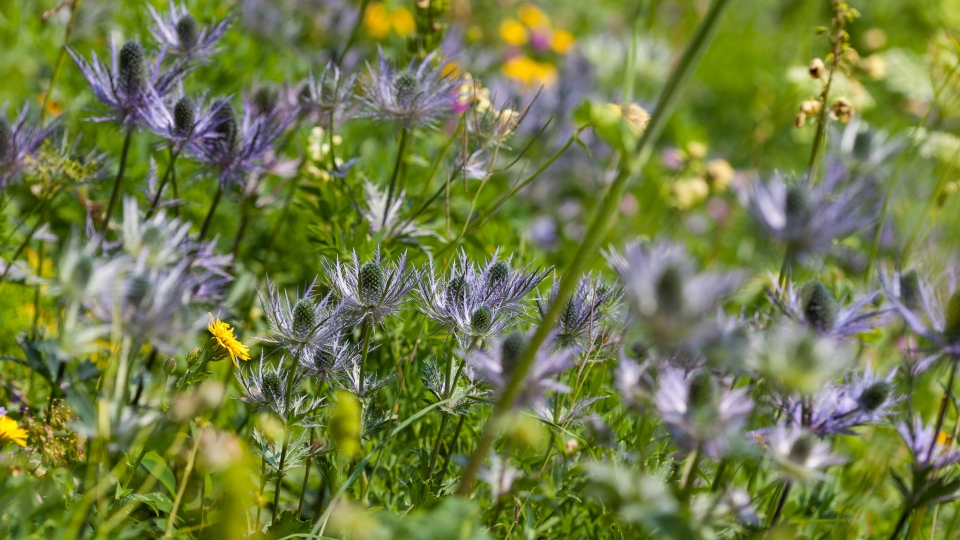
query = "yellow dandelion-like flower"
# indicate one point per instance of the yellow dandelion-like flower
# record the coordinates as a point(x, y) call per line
point(224, 335)
point(532, 16)
point(513, 33)
point(10, 431)
point(529, 71)
point(376, 21)
point(562, 41)
point(403, 23)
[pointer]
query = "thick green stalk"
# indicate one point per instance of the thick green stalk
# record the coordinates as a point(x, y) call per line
point(630, 168)
point(213, 209)
point(116, 184)
point(163, 181)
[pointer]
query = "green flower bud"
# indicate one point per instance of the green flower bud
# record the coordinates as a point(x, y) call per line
point(568, 318)
point(481, 320)
point(407, 87)
point(6, 138)
point(189, 32)
point(272, 386)
point(184, 116)
point(670, 290)
point(194, 356)
point(819, 306)
point(226, 121)
point(802, 448)
point(132, 65)
point(304, 319)
point(910, 292)
point(874, 396)
point(797, 204)
point(703, 391)
point(952, 328)
point(456, 291)
point(82, 272)
point(498, 274)
point(170, 365)
point(137, 289)
point(511, 350)
point(370, 282)
point(266, 99)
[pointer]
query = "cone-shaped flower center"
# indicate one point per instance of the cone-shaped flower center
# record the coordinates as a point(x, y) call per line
point(670, 290)
point(132, 68)
point(6, 139)
point(184, 116)
point(910, 293)
point(272, 386)
point(407, 87)
point(874, 396)
point(819, 306)
point(227, 127)
point(456, 291)
point(703, 392)
point(498, 274)
point(370, 283)
point(802, 448)
point(481, 320)
point(304, 319)
point(511, 350)
point(189, 32)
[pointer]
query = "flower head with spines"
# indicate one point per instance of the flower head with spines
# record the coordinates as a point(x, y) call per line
point(581, 318)
point(276, 388)
point(330, 93)
point(931, 316)
point(19, 139)
point(241, 144)
point(303, 327)
point(808, 217)
point(373, 290)
point(798, 453)
point(815, 305)
point(181, 34)
point(495, 366)
point(183, 121)
point(331, 361)
point(132, 87)
point(419, 94)
point(698, 412)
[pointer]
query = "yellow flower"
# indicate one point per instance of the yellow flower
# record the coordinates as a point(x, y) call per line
point(562, 41)
point(531, 16)
point(528, 71)
point(10, 431)
point(376, 21)
point(513, 32)
point(403, 23)
point(224, 335)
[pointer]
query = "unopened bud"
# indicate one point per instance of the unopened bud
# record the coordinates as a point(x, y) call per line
point(816, 69)
point(843, 109)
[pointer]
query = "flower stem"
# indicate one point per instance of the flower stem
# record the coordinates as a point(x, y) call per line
point(436, 447)
point(116, 185)
point(60, 58)
point(306, 473)
point(453, 445)
point(213, 208)
point(401, 150)
point(597, 230)
point(365, 338)
point(944, 402)
point(780, 504)
point(690, 473)
point(283, 459)
point(900, 523)
point(263, 485)
point(42, 209)
point(191, 459)
point(163, 181)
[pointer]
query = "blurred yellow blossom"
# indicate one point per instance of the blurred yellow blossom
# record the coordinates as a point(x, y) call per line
point(529, 72)
point(513, 33)
point(562, 41)
point(690, 192)
point(720, 173)
point(10, 431)
point(378, 21)
point(532, 16)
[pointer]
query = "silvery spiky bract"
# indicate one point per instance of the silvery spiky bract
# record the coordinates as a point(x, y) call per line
point(373, 290)
point(132, 86)
point(331, 361)
point(700, 413)
point(929, 450)
point(669, 296)
point(580, 321)
point(388, 219)
point(932, 316)
point(799, 454)
point(495, 364)
point(815, 305)
point(242, 143)
point(559, 410)
point(808, 217)
point(330, 93)
point(276, 388)
point(183, 120)
point(19, 139)
point(177, 31)
point(420, 94)
point(304, 326)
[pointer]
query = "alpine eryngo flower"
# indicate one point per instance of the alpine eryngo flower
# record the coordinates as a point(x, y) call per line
point(670, 298)
point(186, 121)
point(130, 87)
point(420, 94)
point(373, 290)
point(241, 144)
point(698, 412)
point(808, 217)
point(929, 451)
point(579, 322)
point(303, 327)
point(505, 287)
point(181, 34)
point(18, 140)
point(815, 305)
point(837, 409)
point(275, 388)
point(799, 454)
point(930, 316)
point(496, 364)
point(330, 93)
point(388, 219)
point(331, 361)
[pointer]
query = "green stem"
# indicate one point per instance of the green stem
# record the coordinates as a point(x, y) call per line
point(283, 459)
point(213, 209)
point(944, 403)
point(114, 195)
point(597, 230)
point(365, 338)
point(436, 447)
point(452, 448)
point(780, 504)
point(191, 459)
point(900, 523)
point(58, 66)
point(690, 473)
point(263, 485)
point(163, 181)
point(42, 209)
point(338, 59)
point(306, 473)
point(401, 150)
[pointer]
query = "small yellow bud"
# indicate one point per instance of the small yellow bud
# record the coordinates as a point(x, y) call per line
point(719, 173)
point(843, 109)
point(637, 118)
point(571, 445)
point(816, 69)
point(690, 192)
point(697, 150)
point(800, 120)
point(810, 107)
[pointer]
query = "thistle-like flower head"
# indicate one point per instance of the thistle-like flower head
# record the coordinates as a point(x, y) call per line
point(420, 94)
point(330, 361)
point(19, 139)
point(934, 317)
point(799, 454)
point(178, 32)
point(185, 121)
point(373, 290)
point(699, 412)
point(276, 389)
point(580, 321)
point(815, 305)
point(132, 86)
point(809, 217)
point(330, 93)
point(496, 364)
point(305, 326)
point(929, 451)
